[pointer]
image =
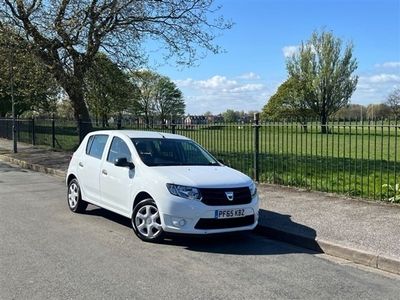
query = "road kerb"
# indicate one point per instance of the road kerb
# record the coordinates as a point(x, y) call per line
point(31, 166)
point(358, 256)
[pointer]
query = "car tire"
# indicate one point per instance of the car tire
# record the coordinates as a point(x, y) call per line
point(74, 197)
point(146, 221)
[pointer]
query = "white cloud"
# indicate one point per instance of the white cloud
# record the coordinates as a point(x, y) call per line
point(219, 93)
point(380, 78)
point(288, 51)
point(389, 64)
point(249, 76)
point(375, 88)
point(251, 87)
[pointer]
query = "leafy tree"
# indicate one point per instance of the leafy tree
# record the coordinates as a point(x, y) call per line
point(33, 88)
point(66, 35)
point(393, 101)
point(230, 116)
point(146, 81)
point(158, 96)
point(287, 103)
point(323, 72)
point(168, 100)
point(108, 89)
point(64, 109)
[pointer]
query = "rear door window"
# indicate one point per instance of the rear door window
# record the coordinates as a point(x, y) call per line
point(96, 144)
point(89, 144)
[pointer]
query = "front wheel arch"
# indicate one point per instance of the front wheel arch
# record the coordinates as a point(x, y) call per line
point(140, 197)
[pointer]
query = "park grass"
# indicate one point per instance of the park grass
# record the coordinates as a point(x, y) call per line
point(353, 159)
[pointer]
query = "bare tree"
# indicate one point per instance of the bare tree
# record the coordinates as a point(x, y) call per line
point(393, 101)
point(67, 34)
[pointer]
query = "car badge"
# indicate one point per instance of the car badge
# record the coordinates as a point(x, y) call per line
point(229, 195)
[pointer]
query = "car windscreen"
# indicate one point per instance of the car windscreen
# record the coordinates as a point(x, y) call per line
point(172, 152)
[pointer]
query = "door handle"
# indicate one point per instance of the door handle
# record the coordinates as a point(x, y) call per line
point(104, 171)
point(81, 164)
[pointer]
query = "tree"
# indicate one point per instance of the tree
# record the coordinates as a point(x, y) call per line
point(287, 103)
point(393, 101)
point(351, 112)
point(378, 111)
point(158, 96)
point(34, 89)
point(168, 100)
point(66, 35)
point(64, 109)
point(323, 71)
point(146, 82)
point(230, 116)
point(108, 89)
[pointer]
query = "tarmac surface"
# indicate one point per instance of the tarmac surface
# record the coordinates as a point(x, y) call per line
point(48, 252)
point(361, 231)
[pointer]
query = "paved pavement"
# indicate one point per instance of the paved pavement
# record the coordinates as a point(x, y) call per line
point(48, 252)
point(361, 231)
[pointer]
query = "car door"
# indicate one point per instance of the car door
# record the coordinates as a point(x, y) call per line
point(89, 166)
point(116, 182)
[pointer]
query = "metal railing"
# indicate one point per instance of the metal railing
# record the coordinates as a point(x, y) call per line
point(354, 158)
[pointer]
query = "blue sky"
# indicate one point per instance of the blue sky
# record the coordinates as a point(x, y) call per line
point(265, 31)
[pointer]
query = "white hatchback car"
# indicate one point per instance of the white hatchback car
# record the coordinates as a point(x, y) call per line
point(162, 182)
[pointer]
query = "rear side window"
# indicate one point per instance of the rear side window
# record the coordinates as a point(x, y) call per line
point(96, 144)
point(89, 144)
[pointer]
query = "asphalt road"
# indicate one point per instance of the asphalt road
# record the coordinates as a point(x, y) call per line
point(47, 252)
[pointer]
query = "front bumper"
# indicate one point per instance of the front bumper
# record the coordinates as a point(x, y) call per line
point(193, 217)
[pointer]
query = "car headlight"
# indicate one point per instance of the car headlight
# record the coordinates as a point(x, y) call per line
point(187, 192)
point(253, 189)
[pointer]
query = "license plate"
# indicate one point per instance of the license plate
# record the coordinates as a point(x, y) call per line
point(229, 213)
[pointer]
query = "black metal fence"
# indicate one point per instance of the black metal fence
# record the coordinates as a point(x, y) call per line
point(353, 158)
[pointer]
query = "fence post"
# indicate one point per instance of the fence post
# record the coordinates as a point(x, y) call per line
point(53, 132)
point(18, 124)
point(256, 147)
point(33, 131)
point(173, 127)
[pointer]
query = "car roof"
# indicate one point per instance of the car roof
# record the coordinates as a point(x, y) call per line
point(141, 134)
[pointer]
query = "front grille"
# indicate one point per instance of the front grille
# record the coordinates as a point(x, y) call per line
point(215, 197)
point(224, 223)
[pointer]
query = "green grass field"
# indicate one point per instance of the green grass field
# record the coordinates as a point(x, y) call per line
point(353, 159)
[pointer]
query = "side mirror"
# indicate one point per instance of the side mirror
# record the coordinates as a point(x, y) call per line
point(123, 162)
point(221, 161)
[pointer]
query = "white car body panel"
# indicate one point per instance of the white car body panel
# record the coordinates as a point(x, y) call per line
point(117, 190)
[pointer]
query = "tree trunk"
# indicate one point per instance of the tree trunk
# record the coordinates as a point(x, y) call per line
point(103, 120)
point(81, 112)
point(324, 124)
point(119, 121)
point(146, 119)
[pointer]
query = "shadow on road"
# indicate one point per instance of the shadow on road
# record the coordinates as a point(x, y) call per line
point(239, 243)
